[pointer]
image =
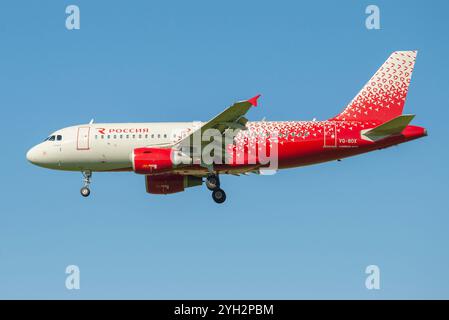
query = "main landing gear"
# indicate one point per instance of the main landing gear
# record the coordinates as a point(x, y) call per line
point(85, 191)
point(213, 184)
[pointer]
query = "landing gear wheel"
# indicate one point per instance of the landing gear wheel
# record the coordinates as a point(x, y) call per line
point(219, 195)
point(85, 191)
point(87, 175)
point(212, 182)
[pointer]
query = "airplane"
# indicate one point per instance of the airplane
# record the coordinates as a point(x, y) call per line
point(171, 156)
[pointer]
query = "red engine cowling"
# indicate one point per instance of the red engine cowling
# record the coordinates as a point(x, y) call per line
point(152, 160)
point(170, 183)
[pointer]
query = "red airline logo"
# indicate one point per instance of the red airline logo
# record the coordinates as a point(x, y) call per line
point(122, 130)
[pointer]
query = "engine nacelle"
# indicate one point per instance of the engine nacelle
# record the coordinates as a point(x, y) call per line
point(170, 183)
point(157, 160)
point(151, 160)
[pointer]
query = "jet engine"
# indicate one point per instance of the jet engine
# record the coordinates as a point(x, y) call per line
point(170, 183)
point(157, 160)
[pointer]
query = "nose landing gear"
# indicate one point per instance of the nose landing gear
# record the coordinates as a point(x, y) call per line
point(85, 191)
point(213, 184)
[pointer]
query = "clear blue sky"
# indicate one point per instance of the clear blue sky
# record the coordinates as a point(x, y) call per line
point(303, 233)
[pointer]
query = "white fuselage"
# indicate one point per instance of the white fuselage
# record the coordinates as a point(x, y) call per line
point(104, 147)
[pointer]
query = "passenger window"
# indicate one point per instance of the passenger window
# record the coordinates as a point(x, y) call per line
point(152, 136)
point(158, 136)
point(165, 136)
point(140, 136)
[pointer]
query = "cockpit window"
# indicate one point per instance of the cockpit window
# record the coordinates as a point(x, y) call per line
point(54, 138)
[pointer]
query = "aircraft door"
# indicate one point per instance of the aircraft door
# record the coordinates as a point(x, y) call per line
point(83, 138)
point(330, 135)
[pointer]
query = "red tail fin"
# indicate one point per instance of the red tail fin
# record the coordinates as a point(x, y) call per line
point(383, 97)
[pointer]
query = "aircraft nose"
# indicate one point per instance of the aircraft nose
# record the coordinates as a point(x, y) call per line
point(32, 155)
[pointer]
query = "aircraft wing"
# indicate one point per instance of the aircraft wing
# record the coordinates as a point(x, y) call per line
point(231, 118)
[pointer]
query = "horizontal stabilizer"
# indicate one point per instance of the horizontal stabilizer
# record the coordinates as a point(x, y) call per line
point(389, 128)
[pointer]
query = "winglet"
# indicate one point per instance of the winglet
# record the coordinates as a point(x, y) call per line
point(253, 100)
